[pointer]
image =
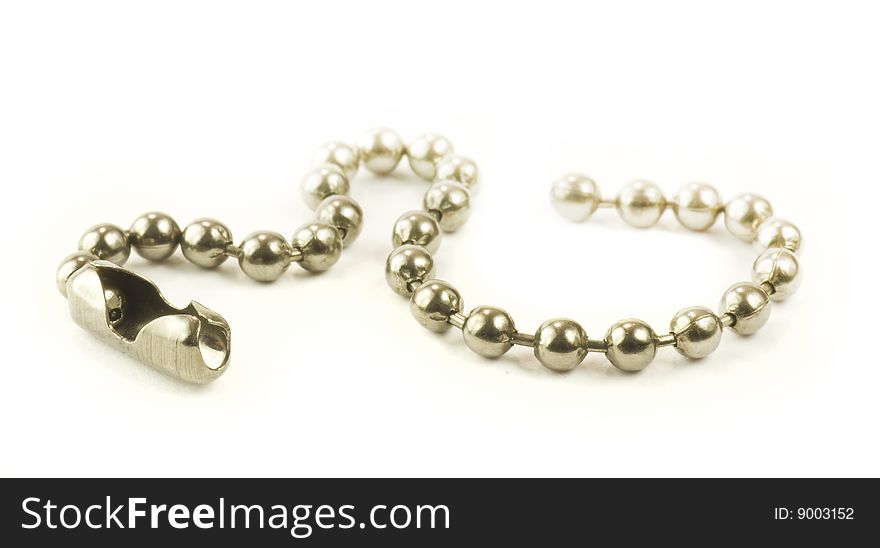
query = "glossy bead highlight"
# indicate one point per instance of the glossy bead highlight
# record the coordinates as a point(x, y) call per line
point(326, 180)
point(697, 332)
point(108, 242)
point(417, 228)
point(451, 201)
point(320, 245)
point(154, 236)
point(204, 242)
point(264, 256)
point(408, 265)
point(640, 204)
point(433, 303)
point(696, 206)
point(780, 268)
point(488, 331)
point(776, 232)
point(560, 344)
point(744, 213)
point(343, 213)
point(339, 154)
point(575, 197)
point(460, 169)
point(632, 345)
point(748, 304)
point(425, 152)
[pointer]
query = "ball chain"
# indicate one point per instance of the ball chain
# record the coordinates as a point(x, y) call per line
point(560, 344)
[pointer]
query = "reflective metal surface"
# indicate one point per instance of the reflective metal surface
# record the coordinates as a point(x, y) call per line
point(744, 213)
point(433, 303)
point(452, 201)
point(416, 227)
point(425, 151)
point(129, 312)
point(640, 204)
point(749, 305)
point(405, 265)
point(488, 331)
point(575, 197)
point(154, 236)
point(696, 206)
point(560, 344)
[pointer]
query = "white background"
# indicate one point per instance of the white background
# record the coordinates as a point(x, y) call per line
point(112, 109)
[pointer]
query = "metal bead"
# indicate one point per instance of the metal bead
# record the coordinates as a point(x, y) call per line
point(560, 344)
point(107, 242)
point(339, 154)
point(204, 242)
point(460, 169)
point(488, 331)
point(575, 197)
point(451, 201)
point(320, 244)
point(744, 213)
point(264, 256)
point(776, 232)
point(632, 345)
point(696, 206)
point(433, 303)
point(424, 153)
point(748, 304)
point(343, 213)
point(326, 180)
point(779, 267)
point(68, 266)
point(406, 266)
point(380, 150)
point(697, 332)
point(154, 236)
point(640, 204)
point(418, 228)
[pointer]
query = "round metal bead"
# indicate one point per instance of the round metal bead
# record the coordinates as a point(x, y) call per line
point(779, 267)
point(697, 332)
point(343, 213)
point(575, 197)
point(264, 256)
point(107, 242)
point(776, 232)
point(424, 153)
point(204, 242)
point(460, 169)
point(748, 304)
point(433, 303)
point(560, 344)
point(68, 266)
point(418, 228)
point(339, 154)
point(320, 244)
point(154, 236)
point(696, 206)
point(488, 331)
point(744, 213)
point(632, 345)
point(380, 150)
point(408, 265)
point(640, 204)
point(451, 201)
point(326, 180)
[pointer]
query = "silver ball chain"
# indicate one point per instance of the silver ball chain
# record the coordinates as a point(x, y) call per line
point(561, 344)
point(127, 310)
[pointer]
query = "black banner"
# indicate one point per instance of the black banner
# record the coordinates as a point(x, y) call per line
point(428, 512)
